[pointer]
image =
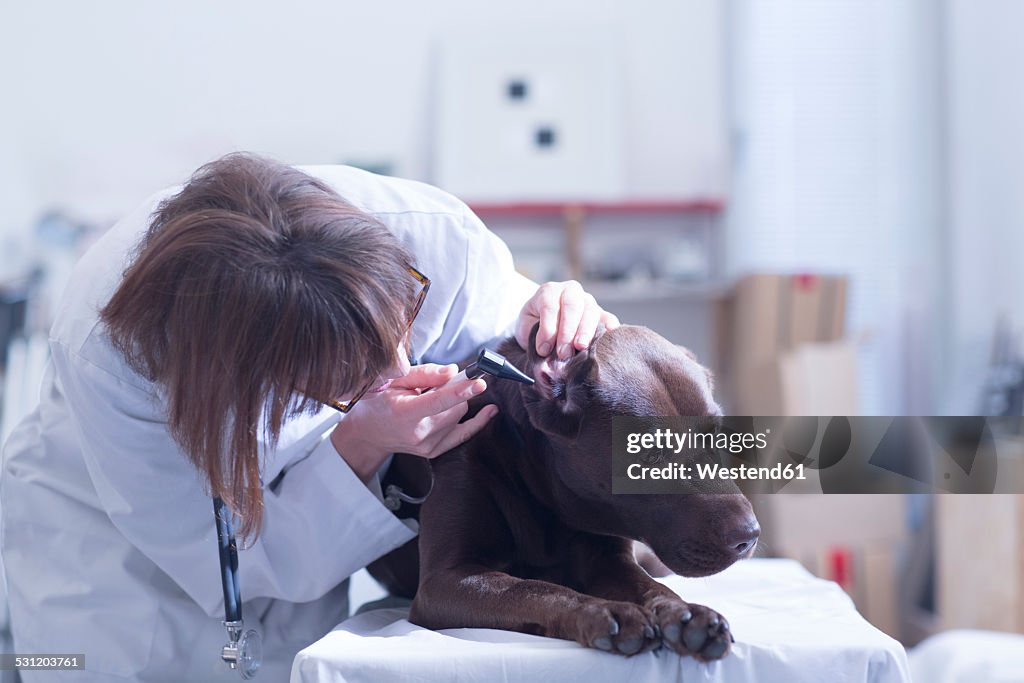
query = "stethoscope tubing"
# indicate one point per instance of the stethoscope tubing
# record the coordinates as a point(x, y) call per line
point(228, 562)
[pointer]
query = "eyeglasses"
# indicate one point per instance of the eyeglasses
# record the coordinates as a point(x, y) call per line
point(344, 407)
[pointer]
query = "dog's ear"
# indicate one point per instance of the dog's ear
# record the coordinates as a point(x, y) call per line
point(710, 376)
point(563, 386)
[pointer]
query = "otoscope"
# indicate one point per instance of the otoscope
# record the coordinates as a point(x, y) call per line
point(494, 364)
point(487, 362)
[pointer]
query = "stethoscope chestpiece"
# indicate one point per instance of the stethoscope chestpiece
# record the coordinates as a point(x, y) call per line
point(244, 650)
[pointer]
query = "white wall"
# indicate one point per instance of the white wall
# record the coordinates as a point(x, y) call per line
point(105, 102)
point(886, 139)
point(985, 96)
point(836, 142)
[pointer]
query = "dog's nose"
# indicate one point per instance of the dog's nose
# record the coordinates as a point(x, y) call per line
point(744, 538)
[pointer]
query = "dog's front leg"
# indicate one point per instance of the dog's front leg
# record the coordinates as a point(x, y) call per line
point(477, 596)
point(605, 566)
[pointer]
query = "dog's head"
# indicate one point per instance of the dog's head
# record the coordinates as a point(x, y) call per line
point(632, 371)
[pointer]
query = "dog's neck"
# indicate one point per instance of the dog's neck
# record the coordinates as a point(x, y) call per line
point(537, 448)
point(534, 462)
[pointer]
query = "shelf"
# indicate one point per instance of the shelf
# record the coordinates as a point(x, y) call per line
point(574, 215)
point(626, 291)
point(695, 206)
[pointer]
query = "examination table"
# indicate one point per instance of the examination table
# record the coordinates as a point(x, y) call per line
point(789, 626)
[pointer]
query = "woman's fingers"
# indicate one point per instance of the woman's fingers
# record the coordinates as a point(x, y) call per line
point(426, 376)
point(572, 306)
point(568, 319)
point(461, 433)
point(433, 431)
point(589, 321)
point(407, 419)
point(610, 320)
point(437, 401)
point(547, 304)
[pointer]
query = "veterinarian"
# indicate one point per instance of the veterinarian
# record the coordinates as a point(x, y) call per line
point(207, 346)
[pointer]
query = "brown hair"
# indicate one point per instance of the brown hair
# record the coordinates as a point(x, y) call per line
point(256, 293)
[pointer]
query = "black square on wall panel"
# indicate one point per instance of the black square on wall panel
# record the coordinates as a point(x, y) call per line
point(517, 89)
point(545, 137)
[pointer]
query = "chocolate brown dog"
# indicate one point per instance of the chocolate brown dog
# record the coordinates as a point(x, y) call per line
point(522, 532)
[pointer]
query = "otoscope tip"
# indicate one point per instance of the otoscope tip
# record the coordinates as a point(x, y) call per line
point(497, 365)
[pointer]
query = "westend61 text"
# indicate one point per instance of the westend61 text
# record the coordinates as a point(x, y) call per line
point(709, 471)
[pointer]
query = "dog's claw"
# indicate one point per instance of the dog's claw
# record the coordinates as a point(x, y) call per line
point(648, 631)
point(693, 630)
point(613, 630)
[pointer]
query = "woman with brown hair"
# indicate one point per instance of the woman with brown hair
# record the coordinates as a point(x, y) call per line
point(210, 345)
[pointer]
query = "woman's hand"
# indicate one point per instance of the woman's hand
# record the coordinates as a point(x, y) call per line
point(568, 319)
point(403, 418)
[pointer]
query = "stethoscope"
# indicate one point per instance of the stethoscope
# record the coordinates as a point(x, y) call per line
point(244, 650)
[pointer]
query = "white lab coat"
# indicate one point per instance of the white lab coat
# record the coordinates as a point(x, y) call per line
point(108, 538)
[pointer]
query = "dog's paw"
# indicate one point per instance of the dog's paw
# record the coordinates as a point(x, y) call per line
point(618, 627)
point(693, 630)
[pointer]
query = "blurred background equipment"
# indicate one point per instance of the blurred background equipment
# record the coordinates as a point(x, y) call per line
point(1003, 391)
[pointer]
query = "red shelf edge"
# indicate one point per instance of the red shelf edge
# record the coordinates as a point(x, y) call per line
point(559, 208)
